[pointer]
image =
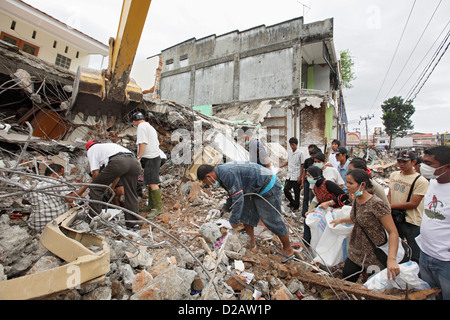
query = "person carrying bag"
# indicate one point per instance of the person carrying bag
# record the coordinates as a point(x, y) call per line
point(399, 215)
point(381, 252)
point(407, 189)
point(372, 214)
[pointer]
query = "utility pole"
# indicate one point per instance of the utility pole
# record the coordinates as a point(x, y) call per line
point(368, 117)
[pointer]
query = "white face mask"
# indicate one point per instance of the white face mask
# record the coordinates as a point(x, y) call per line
point(428, 172)
point(319, 165)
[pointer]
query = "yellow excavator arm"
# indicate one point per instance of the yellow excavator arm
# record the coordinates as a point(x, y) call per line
point(111, 92)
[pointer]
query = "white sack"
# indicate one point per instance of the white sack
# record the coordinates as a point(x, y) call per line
point(409, 274)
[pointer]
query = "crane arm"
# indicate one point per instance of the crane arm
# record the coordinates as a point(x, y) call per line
point(111, 92)
point(123, 51)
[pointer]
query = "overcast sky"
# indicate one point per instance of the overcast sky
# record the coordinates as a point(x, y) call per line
point(370, 30)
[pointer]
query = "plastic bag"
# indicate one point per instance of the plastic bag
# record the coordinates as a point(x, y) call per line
point(342, 229)
point(403, 252)
point(332, 246)
point(317, 224)
point(409, 274)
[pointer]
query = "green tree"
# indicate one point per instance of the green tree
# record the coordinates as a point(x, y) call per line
point(347, 73)
point(397, 117)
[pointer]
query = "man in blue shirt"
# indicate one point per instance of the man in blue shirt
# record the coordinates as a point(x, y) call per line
point(254, 194)
point(342, 168)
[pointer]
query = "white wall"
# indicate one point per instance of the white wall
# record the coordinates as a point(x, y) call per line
point(267, 75)
point(177, 88)
point(214, 84)
point(322, 77)
point(44, 41)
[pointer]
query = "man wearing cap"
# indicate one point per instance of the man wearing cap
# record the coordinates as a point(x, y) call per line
point(148, 154)
point(399, 188)
point(342, 168)
point(118, 162)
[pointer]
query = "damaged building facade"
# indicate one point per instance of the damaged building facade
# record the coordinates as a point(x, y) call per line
point(45, 37)
point(283, 77)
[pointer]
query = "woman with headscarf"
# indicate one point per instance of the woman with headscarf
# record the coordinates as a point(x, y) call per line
point(327, 193)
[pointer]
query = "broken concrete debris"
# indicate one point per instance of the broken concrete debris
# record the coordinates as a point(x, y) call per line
point(187, 253)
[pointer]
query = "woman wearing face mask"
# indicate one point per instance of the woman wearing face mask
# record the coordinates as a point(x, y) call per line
point(326, 192)
point(372, 214)
point(360, 163)
point(329, 172)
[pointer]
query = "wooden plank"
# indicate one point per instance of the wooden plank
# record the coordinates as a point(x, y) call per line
point(338, 285)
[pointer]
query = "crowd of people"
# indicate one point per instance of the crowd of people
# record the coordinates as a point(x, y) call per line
point(416, 207)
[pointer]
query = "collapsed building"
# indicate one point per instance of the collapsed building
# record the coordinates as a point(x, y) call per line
point(187, 253)
point(284, 77)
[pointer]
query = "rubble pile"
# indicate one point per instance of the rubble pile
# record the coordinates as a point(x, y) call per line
point(147, 264)
point(191, 255)
point(190, 251)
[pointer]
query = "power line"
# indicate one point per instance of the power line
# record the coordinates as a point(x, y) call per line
point(414, 49)
point(428, 66)
point(395, 53)
point(426, 54)
point(434, 67)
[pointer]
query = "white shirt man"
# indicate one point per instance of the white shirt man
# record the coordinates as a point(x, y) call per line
point(293, 177)
point(100, 157)
point(332, 174)
point(332, 157)
point(147, 135)
point(148, 153)
point(433, 240)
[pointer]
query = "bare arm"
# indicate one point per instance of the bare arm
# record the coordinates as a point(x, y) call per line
point(412, 204)
point(392, 266)
point(141, 149)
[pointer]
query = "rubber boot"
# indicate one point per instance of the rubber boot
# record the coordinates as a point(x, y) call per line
point(150, 203)
point(155, 195)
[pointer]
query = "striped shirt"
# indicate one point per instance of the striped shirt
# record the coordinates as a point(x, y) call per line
point(46, 207)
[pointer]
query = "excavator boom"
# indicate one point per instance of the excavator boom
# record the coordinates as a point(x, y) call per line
point(111, 92)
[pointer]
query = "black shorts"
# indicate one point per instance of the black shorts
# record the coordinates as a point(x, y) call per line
point(151, 170)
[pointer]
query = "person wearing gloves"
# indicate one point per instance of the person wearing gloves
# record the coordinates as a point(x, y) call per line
point(254, 194)
point(372, 216)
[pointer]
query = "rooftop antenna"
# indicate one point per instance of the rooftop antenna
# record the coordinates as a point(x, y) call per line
point(304, 6)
